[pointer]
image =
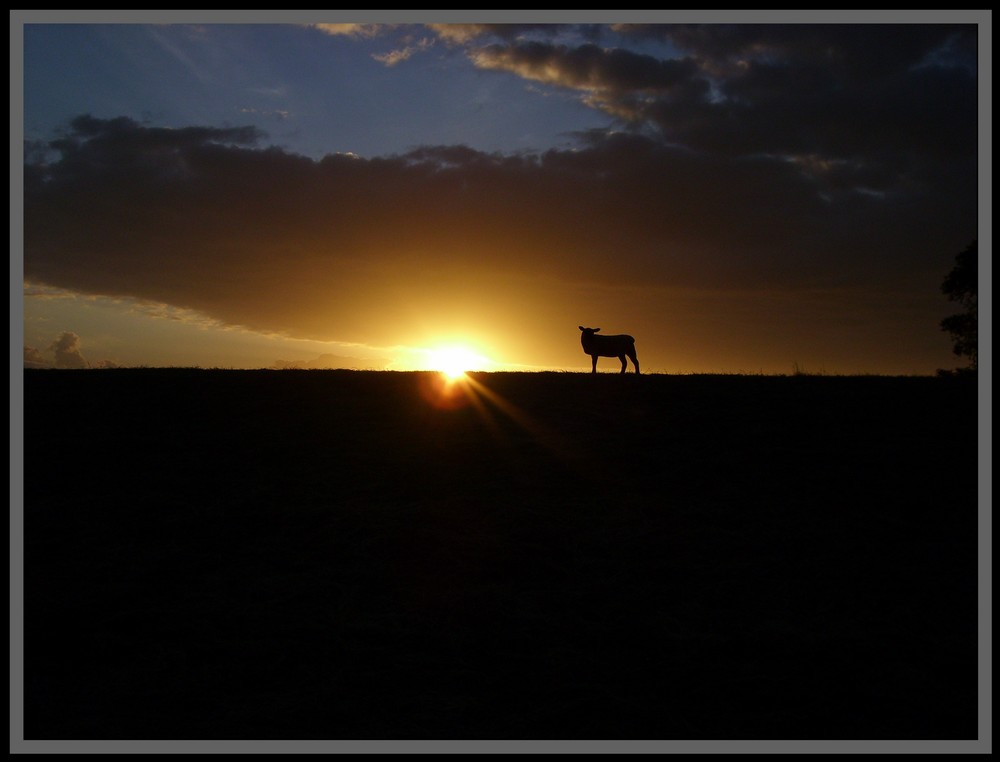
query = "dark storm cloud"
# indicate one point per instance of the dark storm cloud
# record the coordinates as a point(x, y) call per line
point(884, 102)
point(104, 147)
point(858, 51)
point(840, 91)
point(200, 218)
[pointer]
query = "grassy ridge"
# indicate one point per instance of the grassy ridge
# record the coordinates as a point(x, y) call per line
point(327, 554)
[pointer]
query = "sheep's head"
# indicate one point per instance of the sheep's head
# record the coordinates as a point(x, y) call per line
point(588, 331)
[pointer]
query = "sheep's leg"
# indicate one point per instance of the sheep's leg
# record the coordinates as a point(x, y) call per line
point(593, 367)
point(635, 361)
point(624, 364)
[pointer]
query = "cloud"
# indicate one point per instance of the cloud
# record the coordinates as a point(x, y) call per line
point(374, 251)
point(397, 56)
point(889, 101)
point(33, 359)
point(67, 355)
point(364, 31)
point(281, 114)
point(856, 51)
point(461, 34)
point(586, 67)
point(371, 31)
point(67, 351)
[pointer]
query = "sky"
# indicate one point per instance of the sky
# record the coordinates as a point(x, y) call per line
point(741, 197)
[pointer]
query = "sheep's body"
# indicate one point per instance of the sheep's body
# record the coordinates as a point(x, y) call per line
point(620, 346)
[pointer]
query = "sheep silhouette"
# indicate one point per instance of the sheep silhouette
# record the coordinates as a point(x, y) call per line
point(620, 346)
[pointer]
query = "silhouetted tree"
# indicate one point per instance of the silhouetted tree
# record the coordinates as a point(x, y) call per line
point(962, 285)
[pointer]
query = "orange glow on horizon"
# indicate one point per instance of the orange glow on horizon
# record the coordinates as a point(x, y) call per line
point(454, 360)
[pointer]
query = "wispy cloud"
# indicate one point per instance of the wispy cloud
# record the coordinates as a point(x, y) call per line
point(168, 43)
point(281, 114)
point(397, 56)
point(585, 67)
point(366, 31)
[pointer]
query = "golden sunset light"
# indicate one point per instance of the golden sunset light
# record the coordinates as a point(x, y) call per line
point(630, 184)
point(455, 361)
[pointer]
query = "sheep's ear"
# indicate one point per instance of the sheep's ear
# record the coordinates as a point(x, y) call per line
point(596, 330)
point(581, 328)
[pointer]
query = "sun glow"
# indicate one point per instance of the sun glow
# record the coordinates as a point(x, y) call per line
point(454, 361)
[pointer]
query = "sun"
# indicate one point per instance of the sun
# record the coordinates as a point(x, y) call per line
point(454, 361)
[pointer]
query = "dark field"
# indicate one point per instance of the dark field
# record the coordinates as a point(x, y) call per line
point(329, 555)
